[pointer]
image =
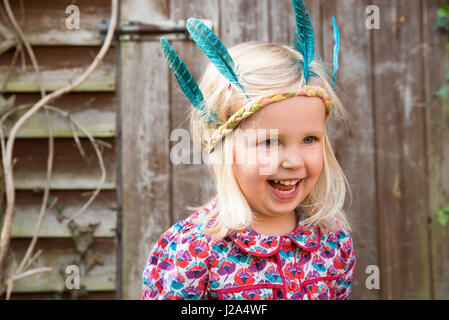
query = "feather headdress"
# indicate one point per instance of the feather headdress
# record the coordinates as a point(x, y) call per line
point(214, 49)
point(336, 51)
point(220, 57)
point(186, 81)
point(304, 42)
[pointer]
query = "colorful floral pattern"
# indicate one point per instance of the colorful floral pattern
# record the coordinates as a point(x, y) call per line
point(302, 265)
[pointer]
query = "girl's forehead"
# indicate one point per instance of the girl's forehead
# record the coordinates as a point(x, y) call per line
point(300, 112)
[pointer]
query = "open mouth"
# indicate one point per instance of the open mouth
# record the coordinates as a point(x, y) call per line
point(284, 191)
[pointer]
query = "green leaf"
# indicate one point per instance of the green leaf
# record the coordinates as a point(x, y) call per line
point(446, 208)
point(443, 11)
point(442, 92)
point(442, 218)
point(447, 46)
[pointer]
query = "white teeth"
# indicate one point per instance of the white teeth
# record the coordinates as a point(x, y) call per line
point(287, 183)
point(286, 192)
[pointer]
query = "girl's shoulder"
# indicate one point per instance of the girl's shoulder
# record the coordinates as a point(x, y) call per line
point(186, 232)
point(340, 229)
point(340, 237)
point(180, 256)
point(342, 232)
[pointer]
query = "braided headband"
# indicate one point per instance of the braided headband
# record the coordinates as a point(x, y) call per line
point(245, 112)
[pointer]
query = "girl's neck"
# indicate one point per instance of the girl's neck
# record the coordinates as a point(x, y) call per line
point(275, 226)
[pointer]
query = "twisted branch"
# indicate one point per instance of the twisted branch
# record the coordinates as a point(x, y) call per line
point(7, 152)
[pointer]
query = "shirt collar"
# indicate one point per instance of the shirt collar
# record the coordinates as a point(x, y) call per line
point(260, 245)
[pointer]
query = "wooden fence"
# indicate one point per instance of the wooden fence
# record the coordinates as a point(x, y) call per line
point(395, 153)
point(63, 55)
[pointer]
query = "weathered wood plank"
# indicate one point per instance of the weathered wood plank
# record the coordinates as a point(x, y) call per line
point(145, 127)
point(44, 22)
point(60, 57)
point(400, 139)
point(103, 210)
point(189, 181)
point(60, 66)
point(99, 278)
point(101, 80)
point(354, 148)
point(243, 20)
point(94, 112)
point(70, 169)
point(437, 63)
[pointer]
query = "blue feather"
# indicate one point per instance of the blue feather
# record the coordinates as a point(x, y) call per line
point(336, 51)
point(186, 81)
point(214, 49)
point(304, 41)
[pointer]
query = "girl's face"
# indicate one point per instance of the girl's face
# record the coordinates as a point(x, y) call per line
point(295, 153)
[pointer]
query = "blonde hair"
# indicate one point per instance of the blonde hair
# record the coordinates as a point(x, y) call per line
point(264, 69)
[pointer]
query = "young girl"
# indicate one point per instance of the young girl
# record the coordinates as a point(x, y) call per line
point(276, 230)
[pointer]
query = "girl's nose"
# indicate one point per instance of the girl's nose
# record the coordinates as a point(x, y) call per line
point(292, 160)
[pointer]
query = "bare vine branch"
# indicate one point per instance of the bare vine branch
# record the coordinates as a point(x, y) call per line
point(8, 150)
point(100, 161)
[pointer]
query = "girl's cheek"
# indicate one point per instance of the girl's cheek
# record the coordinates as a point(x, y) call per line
point(248, 170)
point(267, 169)
point(318, 163)
point(245, 156)
point(256, 171)
point(268, 161)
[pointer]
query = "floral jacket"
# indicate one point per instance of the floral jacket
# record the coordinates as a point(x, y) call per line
point(304, 264)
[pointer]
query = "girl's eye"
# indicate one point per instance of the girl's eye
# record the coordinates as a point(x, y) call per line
point(270, 142)
point(311, 139)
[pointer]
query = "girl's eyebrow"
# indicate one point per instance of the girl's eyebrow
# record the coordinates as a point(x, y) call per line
point(308, 133)
point(317, 133)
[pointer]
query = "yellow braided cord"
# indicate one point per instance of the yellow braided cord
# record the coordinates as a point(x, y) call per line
point(245, 112)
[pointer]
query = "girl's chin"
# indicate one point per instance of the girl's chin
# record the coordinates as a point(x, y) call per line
point(277, 211)
point(274, 209)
